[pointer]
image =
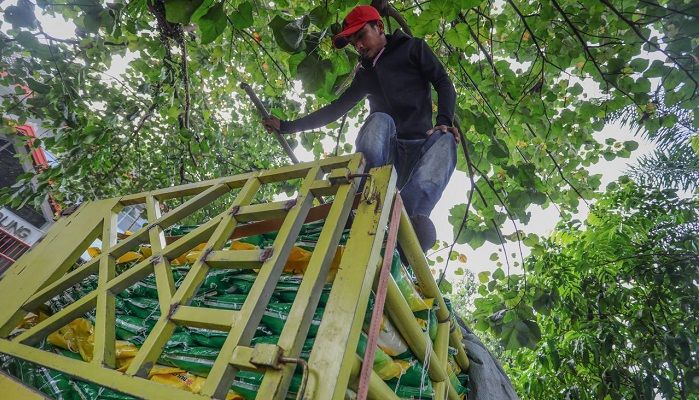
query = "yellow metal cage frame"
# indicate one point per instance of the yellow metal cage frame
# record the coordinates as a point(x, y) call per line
point(50, 268)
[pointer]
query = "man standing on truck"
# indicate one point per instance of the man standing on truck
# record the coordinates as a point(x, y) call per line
point(395, 73)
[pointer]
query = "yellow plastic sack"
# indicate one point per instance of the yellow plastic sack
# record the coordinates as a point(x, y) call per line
point(297, 261)
point(94, 252)
point(238, 245)
point(77, 336)
point(335, 265)
point(188, 382)
point(410, 293)
point(387, 368)
point(130, 256)
point(145, 250)
point(193, 254)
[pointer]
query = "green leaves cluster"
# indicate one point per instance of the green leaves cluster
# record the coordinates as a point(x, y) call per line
point(608, 308)
point(519, 69)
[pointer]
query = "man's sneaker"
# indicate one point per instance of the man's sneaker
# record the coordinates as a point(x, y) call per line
point(425, 231)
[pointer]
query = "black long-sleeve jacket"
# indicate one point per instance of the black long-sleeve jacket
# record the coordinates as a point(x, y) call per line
point(399, 85)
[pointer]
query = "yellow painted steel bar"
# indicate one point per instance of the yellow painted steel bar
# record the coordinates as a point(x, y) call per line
point(105, 318)
point(59, 286)
point(207, 318)
point(404, 320)
point(189, 189)
point(275, 382)
point(300, 170)
point(11, 388)
point(164, 282)
point(411, 248)
point(164, 327)
point(334, 351)
point(441, 347)
point(48, 260)
point(324, 188)
point(259, 212)
point(129, 277)
point(275, 175)
point(140, 388)
point(238, 259)
point(378, 389)
point(241, 358)
point(222, 372)
point(183, 210)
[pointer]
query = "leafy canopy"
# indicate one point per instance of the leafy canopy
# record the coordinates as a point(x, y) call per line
point(608, 308)
point(535, 80)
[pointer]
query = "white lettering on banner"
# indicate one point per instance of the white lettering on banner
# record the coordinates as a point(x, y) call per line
point(15, 226)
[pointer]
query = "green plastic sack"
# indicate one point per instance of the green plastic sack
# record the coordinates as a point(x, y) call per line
point(406, 286)
point(456, 383)
point(142, 307)
point(276, 314)
point(133, 329)
point(414, 375)
point(288, 287)
point(180, 230)
point(384, 366)
point(412, 393)
point(242, 283)
point(225, 301)
point(220, 281)
point(145, 288)
point(181, 338)
point(215, 339)
point(90, 391)
point(55, 384)
point(197, 360)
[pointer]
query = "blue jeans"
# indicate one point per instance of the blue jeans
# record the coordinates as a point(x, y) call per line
point(424, 166)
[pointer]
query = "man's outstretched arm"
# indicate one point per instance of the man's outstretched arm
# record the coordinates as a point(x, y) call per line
point(348, 99)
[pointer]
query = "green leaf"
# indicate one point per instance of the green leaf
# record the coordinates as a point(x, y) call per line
point(445, 287)
point(484, 276)
point(459, 271)
point(639, 64)
point(499, 149)
point(243, 18)
point(520, 333)
point(312, 72)
point(458, 36)
point(289, 35)
point(181, 11)
point(212, 24)
point(320, 16)
point(499, 274)
point(543, 303)
point(21, 15)
point(630, 145)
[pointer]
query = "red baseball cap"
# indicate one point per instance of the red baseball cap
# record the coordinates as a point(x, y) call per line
point(354, 21)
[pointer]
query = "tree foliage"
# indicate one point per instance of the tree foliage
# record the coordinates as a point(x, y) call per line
point(176, 115)
point(609, 308)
